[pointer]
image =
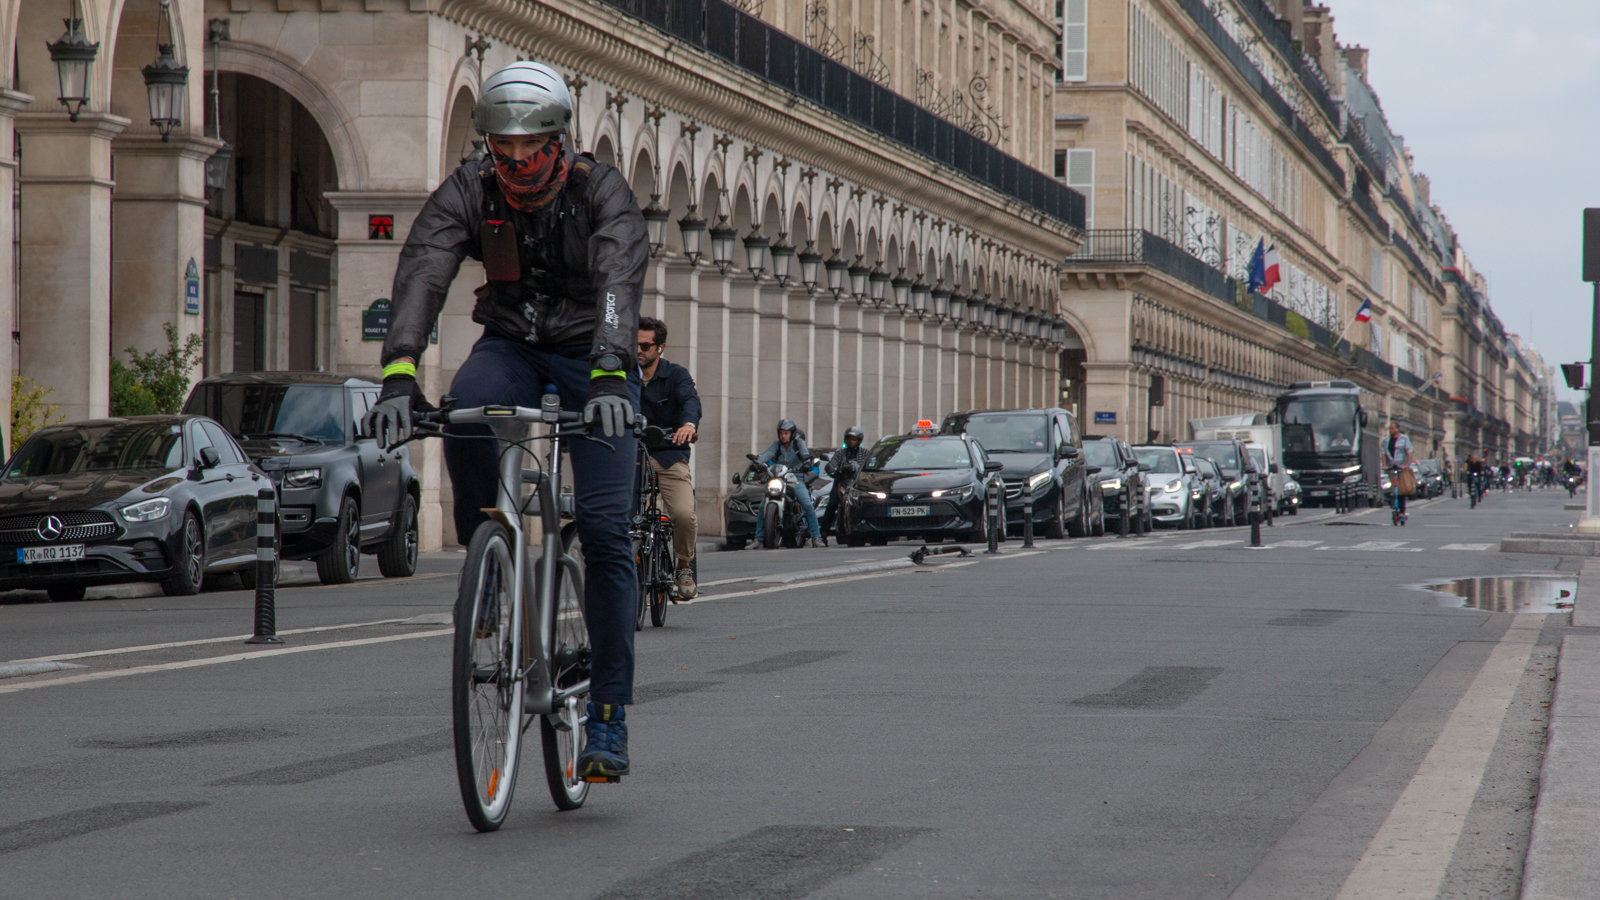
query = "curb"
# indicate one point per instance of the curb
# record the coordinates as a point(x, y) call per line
point(1561, 863)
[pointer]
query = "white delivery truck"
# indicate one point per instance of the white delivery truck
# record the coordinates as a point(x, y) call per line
point(1263, 440)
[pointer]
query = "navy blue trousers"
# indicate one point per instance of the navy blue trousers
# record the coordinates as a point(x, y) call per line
point(508, 371)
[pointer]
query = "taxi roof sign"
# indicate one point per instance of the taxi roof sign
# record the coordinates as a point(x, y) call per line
point(924, 426)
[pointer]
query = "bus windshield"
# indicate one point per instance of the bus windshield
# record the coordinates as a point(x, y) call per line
point(1319, 425)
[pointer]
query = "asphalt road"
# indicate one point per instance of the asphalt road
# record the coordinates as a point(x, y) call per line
point(1166, 717)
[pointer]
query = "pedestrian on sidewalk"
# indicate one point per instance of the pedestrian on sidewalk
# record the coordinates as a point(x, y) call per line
point(670, 401)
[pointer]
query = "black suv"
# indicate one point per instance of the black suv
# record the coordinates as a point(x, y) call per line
point(340, 495)
point(1041, 450)
point(1243, 483)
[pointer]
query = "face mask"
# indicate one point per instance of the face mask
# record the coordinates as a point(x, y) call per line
point(531, 184)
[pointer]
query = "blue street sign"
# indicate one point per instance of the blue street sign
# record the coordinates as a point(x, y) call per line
point(191, 289)
point(1105, 418)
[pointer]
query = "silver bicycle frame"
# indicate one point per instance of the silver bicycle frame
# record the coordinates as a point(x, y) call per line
point(511, 424)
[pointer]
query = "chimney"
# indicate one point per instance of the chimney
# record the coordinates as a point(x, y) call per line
point(1423, 189)
point(1356, 58)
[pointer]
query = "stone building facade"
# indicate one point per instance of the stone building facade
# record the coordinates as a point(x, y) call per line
point(1204, 131)
point(903, 149)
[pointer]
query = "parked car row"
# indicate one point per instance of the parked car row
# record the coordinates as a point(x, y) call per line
point(171, 499)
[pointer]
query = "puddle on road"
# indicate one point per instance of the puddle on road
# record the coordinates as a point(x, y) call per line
point(1510, 593)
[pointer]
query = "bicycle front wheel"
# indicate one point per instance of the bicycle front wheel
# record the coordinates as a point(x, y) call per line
point(663, 579)
point(486, 694)
point(561, 732)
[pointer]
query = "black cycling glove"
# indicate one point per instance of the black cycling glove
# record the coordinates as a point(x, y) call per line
point(390, 419)
point(610, 405)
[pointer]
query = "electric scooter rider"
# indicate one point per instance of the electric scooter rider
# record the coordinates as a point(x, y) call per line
point(564, 249)
point(790, 449)
point(843, 467)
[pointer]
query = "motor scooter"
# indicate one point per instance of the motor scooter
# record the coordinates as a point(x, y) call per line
point(782, 520)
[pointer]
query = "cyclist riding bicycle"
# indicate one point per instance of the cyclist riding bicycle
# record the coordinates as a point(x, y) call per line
point(564, 250)
point(1397, 455)
point(671, 402)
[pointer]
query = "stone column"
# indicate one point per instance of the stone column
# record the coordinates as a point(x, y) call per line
point(824, 376)
point(158, 231)
point(11, 102)
point(65, 275)
point(847, 372)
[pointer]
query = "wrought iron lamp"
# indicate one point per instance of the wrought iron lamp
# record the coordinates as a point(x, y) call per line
point(858, 279)
point(73, 56)
point(656, 218)
point(693, 229)
point(838, 271)
point(810, 265)
point(756, 246)
point(165, 79)
point(722, 238)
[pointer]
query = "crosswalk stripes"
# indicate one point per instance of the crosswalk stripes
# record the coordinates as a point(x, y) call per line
point(1294, 544)
point(1196, 545)
point(1380, 546)
point(1476, 548)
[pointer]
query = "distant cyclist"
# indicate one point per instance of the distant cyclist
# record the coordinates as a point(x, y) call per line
point(671, 402)
point(564, 249)
point(1398, 454)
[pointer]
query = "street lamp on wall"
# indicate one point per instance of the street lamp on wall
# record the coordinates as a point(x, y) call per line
point(838, 272)
point(693, 229)
point(810, 265)
point(73, 56)
point(941, 301)
point(165, 79)
point(878, 285)
point(783, 257)
point(722, 238)
point(217, 163)
point(921, 297)
point(656, 218)
point(858, 279)
point(755, 252)
point(958, 308)
point(900, 286)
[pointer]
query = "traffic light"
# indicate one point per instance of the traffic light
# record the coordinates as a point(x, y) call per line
point(1573, 373)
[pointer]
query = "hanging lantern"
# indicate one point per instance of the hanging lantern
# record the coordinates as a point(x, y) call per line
point(838, 270)
point(756, 246)
point(164, 80)
point(900, 287)
point(878, 285)
point(73, 56)
point(656, 218)
point(782, 261)
point(1030, 327)
point(940, 296)
point(217, 167)
point(693, 229)
point(958, 308)
point(920, 297)
point(1058, 331)
point(858, 280)
point(722, 237)
point(1003, 320)
point(810, 266)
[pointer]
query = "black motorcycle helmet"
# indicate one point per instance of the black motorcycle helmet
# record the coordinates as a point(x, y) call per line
point(854, 432)
point(789, 426)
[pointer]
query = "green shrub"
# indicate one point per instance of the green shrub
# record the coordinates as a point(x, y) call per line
point(29, 412)
point(128, 396)
point(1296, 324)
point(164, 374)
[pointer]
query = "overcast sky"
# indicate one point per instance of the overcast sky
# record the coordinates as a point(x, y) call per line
point(1500, 105)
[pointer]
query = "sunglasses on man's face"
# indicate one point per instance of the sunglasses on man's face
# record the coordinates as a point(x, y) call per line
point(647, 346)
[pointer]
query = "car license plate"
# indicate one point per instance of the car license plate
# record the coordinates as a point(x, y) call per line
point(1319, 493)
point(61, 553)
point(903, 512)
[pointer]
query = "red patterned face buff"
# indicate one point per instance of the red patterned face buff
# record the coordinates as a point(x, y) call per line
point(531, 184)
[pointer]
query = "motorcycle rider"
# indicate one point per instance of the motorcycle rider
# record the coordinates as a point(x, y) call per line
point(843, 466)
point(564, 249)
point(790, 450)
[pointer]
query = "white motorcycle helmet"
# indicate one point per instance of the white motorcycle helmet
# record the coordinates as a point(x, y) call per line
point(523, 98)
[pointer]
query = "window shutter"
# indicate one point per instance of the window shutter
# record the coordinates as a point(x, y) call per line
point(1080, 175)
point(1075, 41)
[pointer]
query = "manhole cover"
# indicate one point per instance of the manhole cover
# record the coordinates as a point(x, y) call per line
point(1509, 593)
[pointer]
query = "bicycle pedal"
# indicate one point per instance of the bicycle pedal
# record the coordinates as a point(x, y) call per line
point(603, 779)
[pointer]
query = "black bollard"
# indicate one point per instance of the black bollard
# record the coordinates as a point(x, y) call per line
point(266, 568)
point(1122, 520)
point(1027, 516)
point(995, 510)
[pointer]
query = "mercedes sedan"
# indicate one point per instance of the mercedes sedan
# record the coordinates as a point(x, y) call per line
point(170, 499)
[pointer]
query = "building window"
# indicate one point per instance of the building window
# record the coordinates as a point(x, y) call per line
point(1075, 40)
point(1061, 164)
point(1080, 177)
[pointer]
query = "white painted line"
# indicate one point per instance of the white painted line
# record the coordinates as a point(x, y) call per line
point(1476, 548)
point(219, 640)
point(1382, 546)
point(819, 574)
point(103, 674)
point(706, 598)
point(1198, 545)
point(1292, 544)
point(1409, 854)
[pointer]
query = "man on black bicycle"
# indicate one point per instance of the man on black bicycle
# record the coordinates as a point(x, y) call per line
point(671, 402)
point(564, 250)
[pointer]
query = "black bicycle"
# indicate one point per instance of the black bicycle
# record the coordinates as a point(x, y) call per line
point(652, 535)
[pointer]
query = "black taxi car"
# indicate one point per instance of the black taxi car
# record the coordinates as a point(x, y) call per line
point(340, 494)
point(921, 485)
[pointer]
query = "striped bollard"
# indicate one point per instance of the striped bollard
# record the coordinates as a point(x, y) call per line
point(1027, 515)
point(995, 510)
point(266, 568)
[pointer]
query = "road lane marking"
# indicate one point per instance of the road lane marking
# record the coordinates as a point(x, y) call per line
point(1294, 544)
point(215, 660)
point(1381, 547)
point(114, 651)
point(1476, 548)
point(1199, 545)
point(1409, 854)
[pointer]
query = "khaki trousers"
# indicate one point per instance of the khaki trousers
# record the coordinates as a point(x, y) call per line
point(677, 495)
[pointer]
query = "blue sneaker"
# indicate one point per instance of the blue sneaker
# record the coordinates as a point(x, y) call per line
point(605, 748)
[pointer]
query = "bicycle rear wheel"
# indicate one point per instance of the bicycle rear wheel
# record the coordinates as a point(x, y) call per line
point(486, 695)
point(641, 568)
point(561, 732)
point(664, 581)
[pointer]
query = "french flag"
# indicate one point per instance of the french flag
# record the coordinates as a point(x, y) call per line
point(1364, 314)
point(1270, 275)
point(1263, 272)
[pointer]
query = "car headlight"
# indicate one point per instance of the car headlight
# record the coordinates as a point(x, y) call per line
point(1114, 484)
point(1195, 495)
point(954, 493)
point(1386, 484)
point(1352, 479)
point(1037, 480)
point(1235, 485)
point(1172, 487)
point(1348, 469)
point(148, 511)
point(879, 495)
point(302, 478)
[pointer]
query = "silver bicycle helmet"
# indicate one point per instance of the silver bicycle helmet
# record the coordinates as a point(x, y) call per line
point(523, 98)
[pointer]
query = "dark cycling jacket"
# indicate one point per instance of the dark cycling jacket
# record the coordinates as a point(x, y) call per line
point(844, 455)
point(671, 401)
point(582, 262)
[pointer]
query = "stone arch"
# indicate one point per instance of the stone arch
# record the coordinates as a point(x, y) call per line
point(773, 222)
point(824, 235)
point(350, 156)
point(458, 132)
point(605, 150)
point(643, 177)
point(677, 201)
point(891, 255)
